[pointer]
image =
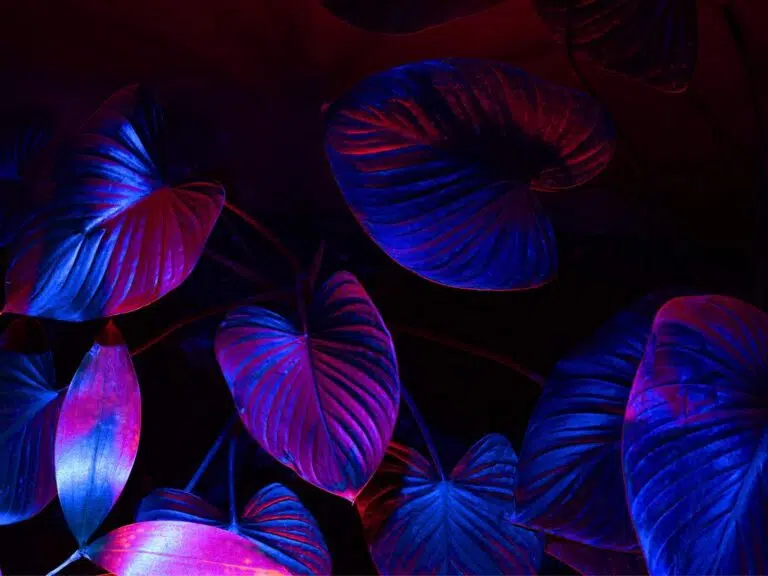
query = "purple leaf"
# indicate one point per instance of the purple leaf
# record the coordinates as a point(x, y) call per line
point(418, 523)
point(438, 161)
point(175, 548)
point(119, 233)
point(591, 561)
point(695, 444)
point(98, 434)
point(29, 410)
point(654, 41)
point(320, 395)
point(173, 504)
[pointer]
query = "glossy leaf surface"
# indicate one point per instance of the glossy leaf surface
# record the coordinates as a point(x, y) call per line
point(29, 410)
point(321, 398)
point(417, 523)
point(654, 41)
point(402, 16)
point(175, 548)
point(120, 232)
point(591, 561)
point(695, 441)
point(438, 159)
point(571, 481)
point(98, 434)
point(274, 519)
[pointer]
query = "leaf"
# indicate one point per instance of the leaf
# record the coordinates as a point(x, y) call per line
point(98, 434)
point(695, 439)
point(322, 395)
point(29, 410)
point(438, 161)
point(275, 520)
point(179, 548)
point(591, 561)
point(403, 16)
point(119, 233)
point(417, 523)
point(571, 481)
point(654, 41)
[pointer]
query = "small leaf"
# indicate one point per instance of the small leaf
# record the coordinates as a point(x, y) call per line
point(591, 561)
point(321, 398)
point(98, 434)
point(417, 523)
point(175, 548)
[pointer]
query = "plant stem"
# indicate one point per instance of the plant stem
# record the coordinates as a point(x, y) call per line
point(74, 558)
point(470, 349)
point(239, 269)
point(424, 430)
point(211, 453)
point(231, 477)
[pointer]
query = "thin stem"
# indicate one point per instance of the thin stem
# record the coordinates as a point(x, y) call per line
point(470, 349)
point(267, 234)
point(239, 269)
point(231, 476)
point(74, 558)
point(424, 430)
point(211, 453)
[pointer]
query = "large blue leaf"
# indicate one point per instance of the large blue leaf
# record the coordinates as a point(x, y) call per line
point(321, 395)
point(120, 232)
point(571, 482)
point(418, 523)
point(438, 159)
point(29, 410)
point(274, 519)
point(696, 439)
point(591, 561)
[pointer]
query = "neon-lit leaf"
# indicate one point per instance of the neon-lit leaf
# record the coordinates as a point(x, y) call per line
point(275, 520)
point(654, 41)
point(321, 394)
point(29, 410)
point(173, 548)
point(417, 523)
point(696, 442)
point(591, 561)
point(120, 232)
point(402, 16)
point(438, 161)
point(98, 434)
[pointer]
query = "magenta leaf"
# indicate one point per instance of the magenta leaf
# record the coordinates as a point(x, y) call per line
point(591, 561)
point(173, 548)
point(320, 395)
point(98, 434)
point(120, 232)
point(416, 522)
point(29, 410)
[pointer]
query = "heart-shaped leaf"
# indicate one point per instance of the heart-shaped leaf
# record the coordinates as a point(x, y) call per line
point(179, 548)
point(98, 434)
point(571, 481)
point(29, 410)
point(403, 16)
point(274, 519)
point(590, 561)
point(696, 439)
point(321, 395)
point(416, 522)
point(654, 41)
point(438, 161)
point(120, 232)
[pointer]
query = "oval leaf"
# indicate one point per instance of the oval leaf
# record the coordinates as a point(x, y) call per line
point(169, 547)
point(695, 441)
point(654, 41)
point(591, 561)
point(417, 523)
point(437, 161)
point(29, 410)
point(571, 482)
point(322, 398)
point(403, 16)
point(98, 434)
point(172, 504)
point(119, 233)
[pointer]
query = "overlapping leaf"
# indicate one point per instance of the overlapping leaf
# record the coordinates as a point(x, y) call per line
point(419, 523)
point(98, 434)
point(590, 561)
point(438, 160)
point(274, 519)
point(320, 395)
point(696, 439)
point(121, 231)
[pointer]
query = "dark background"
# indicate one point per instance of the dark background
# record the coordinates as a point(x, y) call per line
point(245, 81)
